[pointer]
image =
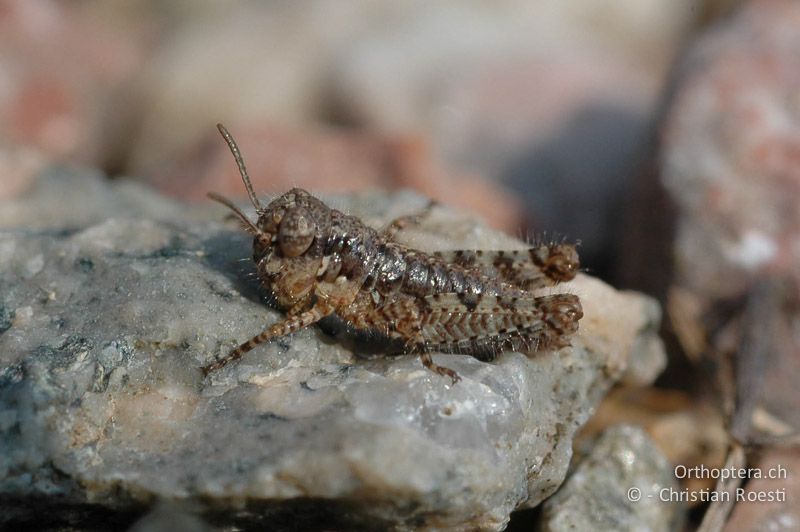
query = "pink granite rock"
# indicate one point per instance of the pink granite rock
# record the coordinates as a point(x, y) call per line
point(331, 161)
point(731, 163)
point(60, 69)
point(731, 157)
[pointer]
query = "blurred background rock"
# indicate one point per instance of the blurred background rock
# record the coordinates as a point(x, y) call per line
point(535, 115)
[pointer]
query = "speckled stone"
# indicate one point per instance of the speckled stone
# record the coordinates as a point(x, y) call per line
point(103, 407)
point(623, 484)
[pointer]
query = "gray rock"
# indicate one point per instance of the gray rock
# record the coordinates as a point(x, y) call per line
point(103, 406)
point(621, 485)
point(64, 198)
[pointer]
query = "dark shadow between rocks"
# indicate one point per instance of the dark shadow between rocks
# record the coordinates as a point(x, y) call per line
point(306, 514)
point(48, 514)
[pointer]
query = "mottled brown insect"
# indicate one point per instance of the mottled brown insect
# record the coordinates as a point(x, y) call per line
point(317, 261)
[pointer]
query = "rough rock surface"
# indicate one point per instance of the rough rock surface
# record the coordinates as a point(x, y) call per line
point(602, 492)
point(731, 163)
point(731, 152)
point(103, 329)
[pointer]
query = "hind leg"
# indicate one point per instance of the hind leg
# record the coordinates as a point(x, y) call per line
point(427, 361)
point(399, 319)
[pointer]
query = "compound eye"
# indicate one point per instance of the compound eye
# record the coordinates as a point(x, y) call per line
point(296, 232)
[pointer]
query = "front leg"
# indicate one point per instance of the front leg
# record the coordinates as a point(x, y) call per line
point(302, 305)
point(293, 322)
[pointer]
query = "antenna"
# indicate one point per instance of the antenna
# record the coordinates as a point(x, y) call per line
point(237, 155)
point(250, 226)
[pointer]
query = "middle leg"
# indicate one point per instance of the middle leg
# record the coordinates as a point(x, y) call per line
point(409, 220)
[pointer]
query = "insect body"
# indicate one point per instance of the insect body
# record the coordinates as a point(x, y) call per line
point(318, 261)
